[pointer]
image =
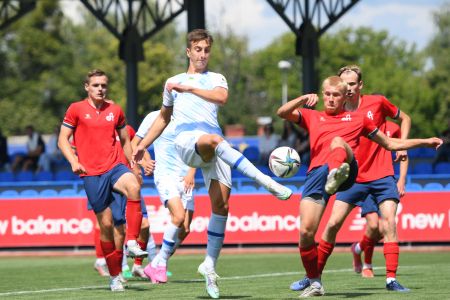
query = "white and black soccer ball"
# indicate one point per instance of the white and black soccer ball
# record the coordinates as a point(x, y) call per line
point(284, 162)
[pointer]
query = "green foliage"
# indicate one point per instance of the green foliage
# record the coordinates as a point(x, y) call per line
point(439, 75)
point(44, 58)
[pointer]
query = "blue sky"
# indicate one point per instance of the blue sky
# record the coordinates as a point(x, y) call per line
point(408, 20)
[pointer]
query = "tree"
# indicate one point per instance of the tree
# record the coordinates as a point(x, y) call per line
point(439, 75)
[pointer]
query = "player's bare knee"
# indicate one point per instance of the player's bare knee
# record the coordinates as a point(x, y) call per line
point(306, 234)
point(178, 219)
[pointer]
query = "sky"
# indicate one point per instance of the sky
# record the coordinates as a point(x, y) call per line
point(408, 20)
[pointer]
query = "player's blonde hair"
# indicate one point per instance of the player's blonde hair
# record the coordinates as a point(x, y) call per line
point(197, 35)
point(337, 82)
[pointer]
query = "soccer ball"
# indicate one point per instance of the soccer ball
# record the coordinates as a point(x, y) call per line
point(284, 162)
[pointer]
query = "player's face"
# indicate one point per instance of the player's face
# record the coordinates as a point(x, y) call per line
point(198, 55)
point(353, 85)
point(333, 98)
point(97, 88)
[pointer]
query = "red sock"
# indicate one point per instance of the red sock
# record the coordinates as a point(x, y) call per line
point(391, 253)
point(98, 246)
point(114, 265)
point(337, 156)
point(134, 219)
point(309, 260)
point(139, 260)
point(323, 252)
point(367, 245)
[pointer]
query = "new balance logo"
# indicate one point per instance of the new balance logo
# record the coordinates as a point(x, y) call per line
point(346, 118)
point(87, 116)
point(370, 115)
point(110, 117)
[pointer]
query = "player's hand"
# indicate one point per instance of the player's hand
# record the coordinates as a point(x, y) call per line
point(401, 188)
point(148, 166)
point(435, 142)
point(401, 155)
point(180, 88)
point(137, 156)
point(312, 100)
point(78, 168)
point(189, 183)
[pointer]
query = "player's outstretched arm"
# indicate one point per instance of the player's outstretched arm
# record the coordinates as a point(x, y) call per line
point(393, 144)
point(218, 95)
point(289, 110)
point(158, 126)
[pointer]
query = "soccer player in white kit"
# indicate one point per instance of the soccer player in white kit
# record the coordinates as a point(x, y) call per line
point(193, 99)
point(174, 181)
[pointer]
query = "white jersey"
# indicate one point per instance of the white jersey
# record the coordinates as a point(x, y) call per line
point(191, 112)
point(168, 162)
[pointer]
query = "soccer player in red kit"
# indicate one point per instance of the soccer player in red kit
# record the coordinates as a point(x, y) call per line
point(375, 177)
point(370, 211)
point(334, 136)
point(93, 123)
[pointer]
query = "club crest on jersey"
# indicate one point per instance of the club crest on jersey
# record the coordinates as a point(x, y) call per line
point(110, 117)
point(87, 116)
point(370, 115)
point(347, 118)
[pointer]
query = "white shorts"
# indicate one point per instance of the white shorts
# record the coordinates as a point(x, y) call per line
point(169, 188)
point(215, 169)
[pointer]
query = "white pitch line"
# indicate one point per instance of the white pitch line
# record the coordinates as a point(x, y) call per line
point(188, 280)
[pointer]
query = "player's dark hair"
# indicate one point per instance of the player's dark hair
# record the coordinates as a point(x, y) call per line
point(351, 68)
point(197, 35)
point(95, 72)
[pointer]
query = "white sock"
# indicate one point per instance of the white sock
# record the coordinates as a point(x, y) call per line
point(170, 234)
point(216, 235)
point(237, 160)
point(367, 266)
point(151, 248)
point(124, 262)
point(390, 279)
point(101, 261)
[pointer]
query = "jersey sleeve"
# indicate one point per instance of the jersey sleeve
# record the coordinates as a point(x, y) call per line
point(395, 130)
point(168, 97)
point(71, 117)
point(304, 118)
point(369, 128)
point(146, 124)
point(218, 80)
point(390, 109)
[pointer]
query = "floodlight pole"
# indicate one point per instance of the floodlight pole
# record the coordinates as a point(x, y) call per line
point(284, 66)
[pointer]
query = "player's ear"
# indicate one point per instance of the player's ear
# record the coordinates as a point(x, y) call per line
point(188, 52)
point(361, 85)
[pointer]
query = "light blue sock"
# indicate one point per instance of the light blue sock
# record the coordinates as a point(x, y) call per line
point(216, 235)
point(237, 160)
point(170, 234)
point(151, 248)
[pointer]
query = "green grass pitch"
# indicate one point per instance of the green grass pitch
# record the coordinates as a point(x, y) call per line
point(243, 276)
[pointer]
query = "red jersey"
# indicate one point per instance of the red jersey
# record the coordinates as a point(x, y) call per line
point(391, 129)
point(95, 135)
point(374, 161)
point(322, 128)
